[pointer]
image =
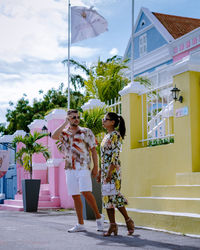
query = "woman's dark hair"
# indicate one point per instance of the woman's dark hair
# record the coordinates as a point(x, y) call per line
point(119, 120)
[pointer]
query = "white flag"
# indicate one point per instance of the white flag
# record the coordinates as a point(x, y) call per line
point(86, 23)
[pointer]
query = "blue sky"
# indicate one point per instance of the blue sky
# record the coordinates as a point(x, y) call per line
point(34, 35)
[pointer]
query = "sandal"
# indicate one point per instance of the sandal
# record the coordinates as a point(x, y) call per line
point(112, 229)
point(130, 226)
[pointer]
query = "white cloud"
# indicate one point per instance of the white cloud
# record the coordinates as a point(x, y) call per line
point(32, 47)
point(114, 51)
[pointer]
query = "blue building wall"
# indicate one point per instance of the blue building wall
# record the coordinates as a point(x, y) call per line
point(141, 25)
point(8, 183)
point(154, 41)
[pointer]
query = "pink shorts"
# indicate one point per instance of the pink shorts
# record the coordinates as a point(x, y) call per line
point(78, 181)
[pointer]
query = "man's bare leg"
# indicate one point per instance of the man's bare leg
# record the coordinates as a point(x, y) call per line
point(92, 202)
point(79, 208)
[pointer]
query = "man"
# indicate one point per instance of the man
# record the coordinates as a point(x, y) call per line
point(76, 144)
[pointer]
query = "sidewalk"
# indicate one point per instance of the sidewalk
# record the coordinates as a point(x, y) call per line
point(47, 230)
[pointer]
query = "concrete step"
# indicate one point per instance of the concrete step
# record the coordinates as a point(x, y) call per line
point(189, 191)
point(188, 178)
point(11, 207)
point(43, 204)
point(44, 198)
point(172, 204)
point(13, 202)
point(44, 192)
point(185, 223)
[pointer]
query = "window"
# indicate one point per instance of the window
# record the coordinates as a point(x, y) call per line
point(143, 44)
point(142, 23)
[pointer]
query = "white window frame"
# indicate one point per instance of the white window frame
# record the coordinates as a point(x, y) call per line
point(143, 44)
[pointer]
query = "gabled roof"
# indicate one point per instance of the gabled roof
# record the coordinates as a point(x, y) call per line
point(177, 26)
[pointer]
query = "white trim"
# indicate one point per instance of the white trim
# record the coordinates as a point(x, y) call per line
point(6, 138)
point(143, 30)
point(163, 31)
point(152, 59)
point(56, 114)
point(188, 63)
point(133, 87)
point(93, 103)
point(39, 166)
point(54, 162)
point(38, 123)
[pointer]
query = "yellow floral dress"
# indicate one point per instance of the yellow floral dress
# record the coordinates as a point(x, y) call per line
point(110, 150)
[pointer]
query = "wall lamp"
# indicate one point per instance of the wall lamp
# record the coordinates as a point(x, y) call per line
point(175, 94)
point(45, 130)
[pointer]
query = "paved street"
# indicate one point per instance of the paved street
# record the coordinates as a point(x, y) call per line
point(47, 230)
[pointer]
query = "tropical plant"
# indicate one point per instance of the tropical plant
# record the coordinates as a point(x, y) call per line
point(103, 80)
point(92, 119)
point(29, 148)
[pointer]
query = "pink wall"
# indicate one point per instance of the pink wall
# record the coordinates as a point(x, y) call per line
point(183, 54)
point(57, 180)
point(66, 200)
point(52, 174)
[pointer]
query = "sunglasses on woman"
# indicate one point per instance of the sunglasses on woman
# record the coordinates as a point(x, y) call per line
point(106, 119)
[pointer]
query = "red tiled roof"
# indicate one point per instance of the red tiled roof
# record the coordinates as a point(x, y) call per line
point(177, 26)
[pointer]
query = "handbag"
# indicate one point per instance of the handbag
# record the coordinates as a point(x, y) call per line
point(108, 189)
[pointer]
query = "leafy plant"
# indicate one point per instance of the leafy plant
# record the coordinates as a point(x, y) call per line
point(156, 142)
point(29, 148)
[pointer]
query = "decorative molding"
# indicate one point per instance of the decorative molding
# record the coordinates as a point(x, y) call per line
point(143, 30)
point(56, 114)
point(54, 162)
point(92, 103)
point(7, 138)
point(39, 166)
point(163, 31)
point(151, 59)
point(133, 87)
point(186, 42)
point(38, 123)
point(188, 63)
point(19, 132)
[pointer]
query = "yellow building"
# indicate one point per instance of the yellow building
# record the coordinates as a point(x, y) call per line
point(162, 183)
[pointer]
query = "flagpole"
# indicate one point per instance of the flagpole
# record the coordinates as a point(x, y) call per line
point(132, 44)
point(69, 43)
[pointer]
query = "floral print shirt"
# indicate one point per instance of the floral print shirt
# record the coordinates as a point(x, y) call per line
point(76, 148)
point(110, 150)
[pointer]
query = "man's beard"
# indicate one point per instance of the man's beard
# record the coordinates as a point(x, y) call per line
point(74, 125)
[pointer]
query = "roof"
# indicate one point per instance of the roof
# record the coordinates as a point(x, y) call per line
point(177, 26)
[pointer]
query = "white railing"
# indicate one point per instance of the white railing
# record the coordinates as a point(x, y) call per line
point(158, 110)
point(115, 105)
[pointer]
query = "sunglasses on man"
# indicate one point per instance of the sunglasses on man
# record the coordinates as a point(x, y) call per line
point(75, 117)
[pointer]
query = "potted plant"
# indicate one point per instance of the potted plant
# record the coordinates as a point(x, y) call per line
point(30, 187)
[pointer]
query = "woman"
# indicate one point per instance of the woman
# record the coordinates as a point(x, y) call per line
point(110, 170)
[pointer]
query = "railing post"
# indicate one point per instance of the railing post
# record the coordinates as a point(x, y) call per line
point(132, 112)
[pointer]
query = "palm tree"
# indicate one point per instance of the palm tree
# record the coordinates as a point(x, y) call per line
point(103, 80)
point(29, 148)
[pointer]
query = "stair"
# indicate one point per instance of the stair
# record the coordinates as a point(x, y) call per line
point(175, 208)
point(45, 201)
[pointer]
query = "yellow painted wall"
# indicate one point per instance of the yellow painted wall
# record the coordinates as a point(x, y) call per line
point(147, 166)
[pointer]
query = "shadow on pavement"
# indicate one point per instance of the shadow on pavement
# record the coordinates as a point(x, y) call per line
point(135, 241)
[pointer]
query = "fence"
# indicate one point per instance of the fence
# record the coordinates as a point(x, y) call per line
point(157, 115)
point(115, 105)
